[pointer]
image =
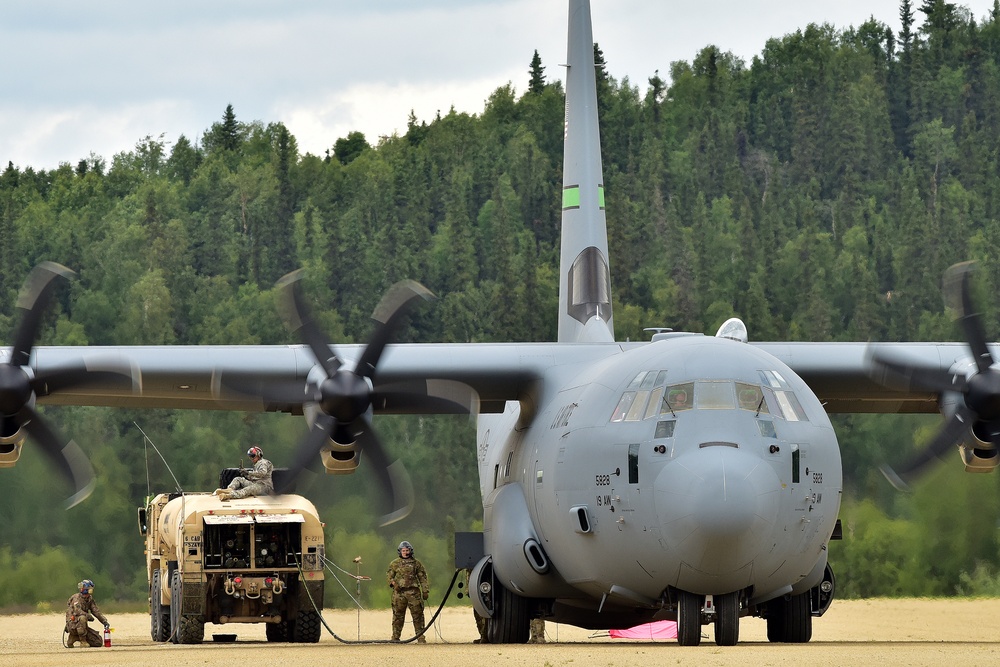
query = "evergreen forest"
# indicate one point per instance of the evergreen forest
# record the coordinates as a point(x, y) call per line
point(818, 192)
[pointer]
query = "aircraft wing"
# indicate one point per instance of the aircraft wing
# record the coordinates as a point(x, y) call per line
point(190, 376)
point(841, 373)
point(194, 377)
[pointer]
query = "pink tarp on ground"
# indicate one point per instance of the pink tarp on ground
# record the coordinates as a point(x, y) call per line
point(648, 631)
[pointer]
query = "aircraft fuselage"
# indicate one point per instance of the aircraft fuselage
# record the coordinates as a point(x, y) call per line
point(693, 463)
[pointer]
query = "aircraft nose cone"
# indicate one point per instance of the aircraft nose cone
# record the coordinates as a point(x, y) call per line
point(716, 507)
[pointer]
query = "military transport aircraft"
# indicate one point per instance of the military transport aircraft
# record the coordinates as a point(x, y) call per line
point(688, 477)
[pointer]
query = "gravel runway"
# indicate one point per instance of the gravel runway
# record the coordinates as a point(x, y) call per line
point(854, 632)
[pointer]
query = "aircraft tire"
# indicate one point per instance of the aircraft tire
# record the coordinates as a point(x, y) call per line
point(789, 619)
point(727, 619)
point(510, 623)
point(689, 618)
point(159, 617)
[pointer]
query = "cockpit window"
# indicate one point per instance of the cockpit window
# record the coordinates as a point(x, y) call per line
point(679, 397)
point(648, 396)
point(751, 397)
point(790, 407)
point(715, 395)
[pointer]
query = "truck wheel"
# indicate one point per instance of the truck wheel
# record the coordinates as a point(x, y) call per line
point(306, 628)
point(159, 617)
point(277, 632)
point(192, 629)
point(183, 629)
point(175, 606)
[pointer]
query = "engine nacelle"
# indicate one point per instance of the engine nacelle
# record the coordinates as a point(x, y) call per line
point(340, 459)
point(11, 441)
point(980, 455)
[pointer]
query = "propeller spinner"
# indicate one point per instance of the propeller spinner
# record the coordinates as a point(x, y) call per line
point(980, 409)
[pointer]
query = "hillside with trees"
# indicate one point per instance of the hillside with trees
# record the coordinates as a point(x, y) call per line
point(818, 192)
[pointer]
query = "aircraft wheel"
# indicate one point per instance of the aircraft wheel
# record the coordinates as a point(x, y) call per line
point(727, 619)
point(510, 623)
point(159, 617)
point(689, 618)
point(789, 619)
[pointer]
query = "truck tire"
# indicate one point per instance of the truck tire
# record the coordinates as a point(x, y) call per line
point(184, 628)
point(277, 632)
point(306, 628)
point(159, 617)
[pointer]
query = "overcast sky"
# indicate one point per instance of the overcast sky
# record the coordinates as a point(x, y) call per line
point(97, 76)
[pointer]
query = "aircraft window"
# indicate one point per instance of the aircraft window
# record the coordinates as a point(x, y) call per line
point(655, 398)
point(773, 379)
point(790, 407)
point(638, 406)
point(678, 398)
point(623, 405)
point(795, 464)
point(633, 463)
point(661, 378)
point(750, 397)
point(664, 429)
point(715, 395)
point(637, 380)
point(650, 381)
point(766, 428)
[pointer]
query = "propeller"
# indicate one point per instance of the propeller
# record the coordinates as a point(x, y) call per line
point(345, 395)
point(20, 385)
point(980, 409)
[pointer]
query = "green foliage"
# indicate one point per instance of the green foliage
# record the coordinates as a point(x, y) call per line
point(819, 192)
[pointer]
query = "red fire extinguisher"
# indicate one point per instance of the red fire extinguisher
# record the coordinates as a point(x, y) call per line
point(107, 637)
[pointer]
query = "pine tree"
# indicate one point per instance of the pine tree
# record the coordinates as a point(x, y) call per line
point(537, 82)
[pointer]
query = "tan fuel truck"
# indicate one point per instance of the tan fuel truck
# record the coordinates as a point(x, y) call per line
point(253, 560)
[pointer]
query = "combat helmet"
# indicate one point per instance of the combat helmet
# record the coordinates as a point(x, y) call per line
point(404, 545)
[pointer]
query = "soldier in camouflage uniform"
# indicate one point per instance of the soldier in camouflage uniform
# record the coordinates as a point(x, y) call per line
point(255, 482)
point(408, 579)
point(79, 609)
point(537, 631)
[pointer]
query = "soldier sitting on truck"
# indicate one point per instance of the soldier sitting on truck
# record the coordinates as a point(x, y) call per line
point(254, 482)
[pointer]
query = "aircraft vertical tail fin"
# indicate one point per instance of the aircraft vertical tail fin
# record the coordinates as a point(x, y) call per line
point(584, 274)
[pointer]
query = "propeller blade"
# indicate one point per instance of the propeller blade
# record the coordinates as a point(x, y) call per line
point(394, 482)
point(958, 298)
point(307, 451)
point(299, 320)
point(66, 455)
point(949, 436)
point(893, 369)
point(33, 299)
point(390, 311)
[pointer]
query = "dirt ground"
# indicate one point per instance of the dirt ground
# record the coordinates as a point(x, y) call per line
point(866, 632)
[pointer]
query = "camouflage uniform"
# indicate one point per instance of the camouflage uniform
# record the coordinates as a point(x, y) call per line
point(537, 631)
point(255, 482)
point(408, 580)
point(79, 609)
